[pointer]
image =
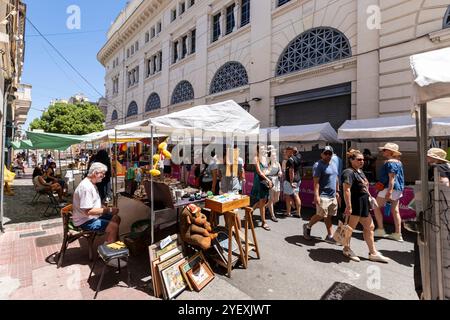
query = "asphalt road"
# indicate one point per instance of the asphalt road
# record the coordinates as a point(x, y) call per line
point(294, 268)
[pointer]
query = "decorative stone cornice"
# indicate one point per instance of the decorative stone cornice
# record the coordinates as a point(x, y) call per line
point(145, 11)
point(440, 36)
point(332, 66)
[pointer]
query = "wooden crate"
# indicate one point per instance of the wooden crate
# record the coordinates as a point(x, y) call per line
point(227, 206)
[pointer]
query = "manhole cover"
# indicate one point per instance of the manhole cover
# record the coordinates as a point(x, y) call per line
point(48, 240)
point(51, 225)
point(32, 234)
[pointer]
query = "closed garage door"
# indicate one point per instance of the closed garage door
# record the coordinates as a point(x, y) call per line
point(330, 104)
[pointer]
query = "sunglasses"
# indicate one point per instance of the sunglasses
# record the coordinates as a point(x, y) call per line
point(359, 159)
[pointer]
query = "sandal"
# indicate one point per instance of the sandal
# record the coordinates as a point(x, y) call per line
point(274, 219)
point(266, 227)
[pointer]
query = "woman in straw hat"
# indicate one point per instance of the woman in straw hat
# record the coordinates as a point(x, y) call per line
point(437, 157)
point(393, 180)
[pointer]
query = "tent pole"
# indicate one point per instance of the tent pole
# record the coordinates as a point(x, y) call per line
point(152, 209)
point(426, 276)
point(59, 160)
point(73, 177)
point(116, 157)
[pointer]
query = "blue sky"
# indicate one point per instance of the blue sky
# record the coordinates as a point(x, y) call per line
point(49, 75)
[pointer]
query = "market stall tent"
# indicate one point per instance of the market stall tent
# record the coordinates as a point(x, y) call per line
point(223, 117)
point(431, 92)
point(382, 129)
point(226, 117)
point(54, 141)
point(321, 132)
point(22, 145)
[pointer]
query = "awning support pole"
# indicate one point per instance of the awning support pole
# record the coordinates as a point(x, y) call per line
point(152, 208)
point(426, 276)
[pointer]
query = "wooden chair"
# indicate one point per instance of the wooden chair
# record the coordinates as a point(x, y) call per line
point(72, 233)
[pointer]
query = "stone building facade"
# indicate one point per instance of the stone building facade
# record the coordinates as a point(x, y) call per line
point(286, 61)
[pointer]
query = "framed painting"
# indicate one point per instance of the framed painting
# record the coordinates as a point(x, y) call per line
point(173, 280)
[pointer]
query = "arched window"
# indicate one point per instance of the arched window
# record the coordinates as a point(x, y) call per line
point(114, 116)
point(182, 92)
point(312, 48)
point(231, 75)
point(153, 102)
point(132, 109)
point(447, 18)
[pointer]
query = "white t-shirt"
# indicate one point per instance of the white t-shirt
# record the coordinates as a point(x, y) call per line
point(86, 197)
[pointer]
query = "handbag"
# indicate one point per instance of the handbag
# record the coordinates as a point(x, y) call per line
point(266, 184)
point(379, 186)
point(343, 233)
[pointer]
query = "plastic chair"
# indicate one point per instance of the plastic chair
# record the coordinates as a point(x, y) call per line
point(72, 233)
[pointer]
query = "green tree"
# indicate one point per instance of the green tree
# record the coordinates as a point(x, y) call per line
point(78, 119)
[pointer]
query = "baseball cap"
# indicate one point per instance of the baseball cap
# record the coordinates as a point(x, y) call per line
point(328, 148)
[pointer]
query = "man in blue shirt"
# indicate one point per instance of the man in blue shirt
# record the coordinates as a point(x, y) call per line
point(326, 193)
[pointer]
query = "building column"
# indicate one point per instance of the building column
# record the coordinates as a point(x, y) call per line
point(180, 48)
point(189, 43)
point(223, 23)
point(236, 15)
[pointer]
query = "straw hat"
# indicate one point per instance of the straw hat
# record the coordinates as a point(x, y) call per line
point(391, 147)
point(438, 154)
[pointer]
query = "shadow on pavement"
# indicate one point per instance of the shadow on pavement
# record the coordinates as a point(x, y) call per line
point(300, 241)
point(326, 255)
point(19, 209)
point(401, 257)
point(345, 291)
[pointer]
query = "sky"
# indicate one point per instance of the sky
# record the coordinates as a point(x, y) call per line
point(45, 70)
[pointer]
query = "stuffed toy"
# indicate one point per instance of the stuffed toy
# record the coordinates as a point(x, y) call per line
point(194, 227)
point(159, 157)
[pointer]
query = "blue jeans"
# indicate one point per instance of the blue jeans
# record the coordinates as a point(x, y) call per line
point(97, 224)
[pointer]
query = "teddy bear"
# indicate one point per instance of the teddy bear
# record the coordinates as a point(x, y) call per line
point(194, 227)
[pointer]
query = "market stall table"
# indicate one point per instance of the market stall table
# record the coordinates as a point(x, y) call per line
point(221, 205)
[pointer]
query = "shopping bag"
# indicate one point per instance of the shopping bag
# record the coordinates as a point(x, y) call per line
point(343, 233)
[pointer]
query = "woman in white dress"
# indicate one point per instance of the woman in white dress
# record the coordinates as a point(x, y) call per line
point(274, 173)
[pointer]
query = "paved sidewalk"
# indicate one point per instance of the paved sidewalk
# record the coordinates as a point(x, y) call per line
point(28, 269)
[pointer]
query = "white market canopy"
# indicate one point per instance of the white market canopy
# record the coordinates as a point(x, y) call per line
point(398, 128)
point(122, 137)
point(431, 72)
point(223, 117)
point(322, 132)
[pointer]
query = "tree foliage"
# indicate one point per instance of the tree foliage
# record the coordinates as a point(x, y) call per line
point(77, 119)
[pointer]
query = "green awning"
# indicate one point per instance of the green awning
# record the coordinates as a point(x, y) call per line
point(22, 145)
point(54, 141)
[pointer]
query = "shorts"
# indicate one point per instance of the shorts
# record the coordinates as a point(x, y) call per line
point(167, 169)
point(98, 224)
point(361, 206)
point(289, 190)
point(396, 195)
point(327, 207)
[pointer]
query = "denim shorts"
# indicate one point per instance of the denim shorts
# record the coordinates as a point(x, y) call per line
point(289, 190)
point(98, 224)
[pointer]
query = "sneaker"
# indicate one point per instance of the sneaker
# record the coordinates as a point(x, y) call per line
point(351, 255)
point(379, 233)
point(378, 258)
point(114, 263)
point(330, 240)
point(395, 236)
point(306, 232)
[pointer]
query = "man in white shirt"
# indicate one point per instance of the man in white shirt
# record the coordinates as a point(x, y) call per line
point(88, 211)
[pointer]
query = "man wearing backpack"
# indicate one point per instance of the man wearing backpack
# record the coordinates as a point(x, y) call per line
point(292, 180)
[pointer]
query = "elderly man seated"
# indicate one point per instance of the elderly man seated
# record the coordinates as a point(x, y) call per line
point(88, 212)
